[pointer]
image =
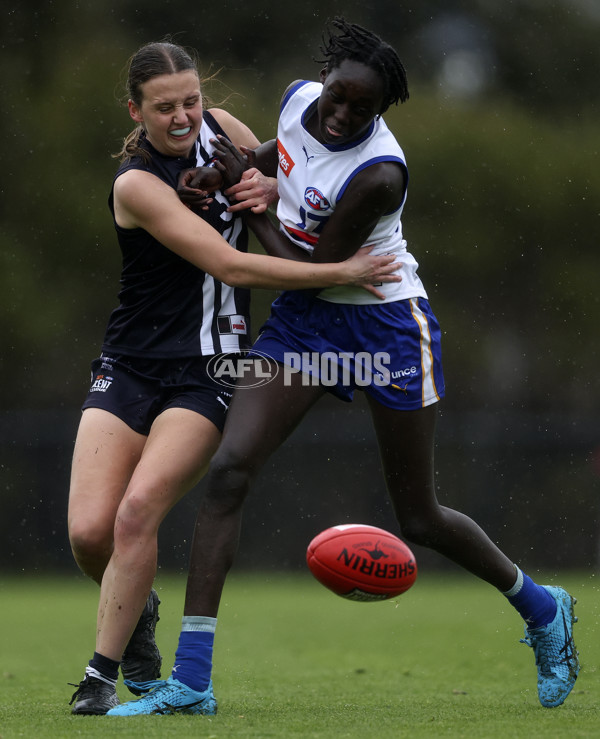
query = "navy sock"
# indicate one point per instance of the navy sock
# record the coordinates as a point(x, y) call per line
point(193, 658)
point(103, 668)
point(534, 603)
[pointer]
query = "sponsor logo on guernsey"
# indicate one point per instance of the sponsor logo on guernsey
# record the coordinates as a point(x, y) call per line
point(286, 163)
point(315, 199)
point(232, 325)
point(101, 384)
point(307, 155)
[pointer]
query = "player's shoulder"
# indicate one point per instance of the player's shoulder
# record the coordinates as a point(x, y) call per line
point(221, 116)
point(294, 87)
point(130, 183)
point(381, 187)
point(129, 178)
point(237, 131)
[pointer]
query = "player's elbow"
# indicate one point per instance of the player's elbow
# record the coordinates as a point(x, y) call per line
point(231, 269)
point(236, 276)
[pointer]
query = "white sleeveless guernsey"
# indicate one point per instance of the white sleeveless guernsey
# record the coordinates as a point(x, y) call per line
point(312, 178)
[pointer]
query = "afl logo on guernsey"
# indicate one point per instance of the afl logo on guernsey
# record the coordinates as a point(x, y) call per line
point(315, 199)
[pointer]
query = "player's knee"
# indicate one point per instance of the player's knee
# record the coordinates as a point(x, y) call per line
point(91, 545)
point(229, 479)
point(419, 530)
point(230, 470)
point(138, 516)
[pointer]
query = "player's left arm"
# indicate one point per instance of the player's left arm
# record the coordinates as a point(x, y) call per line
point(373, 192)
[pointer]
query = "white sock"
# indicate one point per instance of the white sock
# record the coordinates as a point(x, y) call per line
point(517, 586)
point(91, 672)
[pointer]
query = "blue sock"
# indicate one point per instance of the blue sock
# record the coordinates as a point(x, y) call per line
point(193, 658)
point(535, 604)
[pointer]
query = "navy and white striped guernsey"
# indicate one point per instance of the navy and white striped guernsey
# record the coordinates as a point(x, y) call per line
point(167, 307)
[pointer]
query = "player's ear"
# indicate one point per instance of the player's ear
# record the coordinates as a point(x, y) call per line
point(323, 75)
point(135, 112)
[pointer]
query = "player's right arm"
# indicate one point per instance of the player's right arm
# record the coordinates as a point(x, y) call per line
point(257, 187)
point(254, 191)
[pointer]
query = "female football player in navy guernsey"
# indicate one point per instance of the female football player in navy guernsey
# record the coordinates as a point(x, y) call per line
point(336, 153)
point(153, 416)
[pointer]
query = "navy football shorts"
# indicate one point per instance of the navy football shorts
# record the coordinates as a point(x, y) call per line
point(392, 351)
point(138, 390)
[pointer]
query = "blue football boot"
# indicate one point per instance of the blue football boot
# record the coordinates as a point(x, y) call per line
point(168, 697)
point(555, 654)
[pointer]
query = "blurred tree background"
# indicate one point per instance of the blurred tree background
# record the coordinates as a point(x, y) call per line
point(501, 134)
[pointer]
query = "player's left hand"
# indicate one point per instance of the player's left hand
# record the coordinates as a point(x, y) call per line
point(373, 270)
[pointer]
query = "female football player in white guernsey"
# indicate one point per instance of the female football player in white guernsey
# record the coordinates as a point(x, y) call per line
point(153, 415)
point(342, 180)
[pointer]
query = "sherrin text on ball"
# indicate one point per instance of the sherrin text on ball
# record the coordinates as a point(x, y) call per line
point(361, 562)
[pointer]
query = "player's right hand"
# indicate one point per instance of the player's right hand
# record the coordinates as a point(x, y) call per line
point(194, 186)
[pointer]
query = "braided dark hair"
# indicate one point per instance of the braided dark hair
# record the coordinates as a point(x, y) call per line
point(360, 45)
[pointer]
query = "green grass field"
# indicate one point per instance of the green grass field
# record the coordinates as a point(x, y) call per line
point(292, 659)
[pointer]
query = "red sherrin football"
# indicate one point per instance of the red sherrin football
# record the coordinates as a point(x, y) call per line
point(362, 563)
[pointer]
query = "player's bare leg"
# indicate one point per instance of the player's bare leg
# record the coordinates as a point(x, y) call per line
point(410, 477)
point(409, 473)
point(166, 471)
point(106, 453)
point(258, 422)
